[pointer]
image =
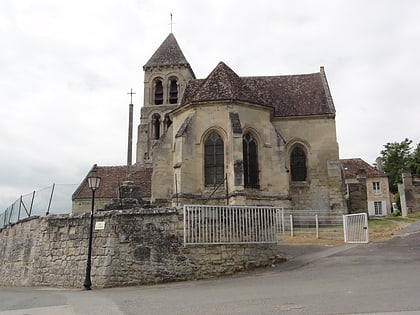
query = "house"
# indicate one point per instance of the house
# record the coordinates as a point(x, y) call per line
point(227, 139)
point(367, 188)
point(113, 178)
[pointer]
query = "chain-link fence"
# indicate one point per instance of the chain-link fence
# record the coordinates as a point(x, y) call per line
point(54, 199)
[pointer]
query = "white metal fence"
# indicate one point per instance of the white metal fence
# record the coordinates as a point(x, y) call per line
point(230, 224)
point(356, 228)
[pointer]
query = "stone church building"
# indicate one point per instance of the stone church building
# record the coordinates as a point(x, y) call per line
point(227, 139)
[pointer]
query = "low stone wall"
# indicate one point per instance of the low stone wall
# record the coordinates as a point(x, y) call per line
point(135, 247)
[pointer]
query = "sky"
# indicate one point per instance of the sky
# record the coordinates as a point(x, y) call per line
point(66, 67)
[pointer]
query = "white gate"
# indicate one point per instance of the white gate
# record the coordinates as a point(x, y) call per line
point(230, 224)
point(356, 228)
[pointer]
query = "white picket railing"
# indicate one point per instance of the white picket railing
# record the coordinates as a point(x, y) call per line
point(356, 228)
point(231, 224)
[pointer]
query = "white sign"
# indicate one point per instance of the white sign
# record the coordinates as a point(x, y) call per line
point(100, 225)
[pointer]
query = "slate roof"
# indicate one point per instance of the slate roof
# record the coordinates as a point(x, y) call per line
point(352, 166)
point(111, 178)
point(289, 95)
point(168, 53)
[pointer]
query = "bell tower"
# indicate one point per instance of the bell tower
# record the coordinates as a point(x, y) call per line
point(165, 77)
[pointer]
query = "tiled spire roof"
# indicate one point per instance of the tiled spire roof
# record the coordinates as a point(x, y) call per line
point(223, 84)
point(290, 95)
point(168, 53)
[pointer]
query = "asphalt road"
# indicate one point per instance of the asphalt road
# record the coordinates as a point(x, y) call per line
point(377, 278)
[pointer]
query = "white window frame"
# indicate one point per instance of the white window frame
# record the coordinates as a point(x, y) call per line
point(377, 205)
point(376, 188)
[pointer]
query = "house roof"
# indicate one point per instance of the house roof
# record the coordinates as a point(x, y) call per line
point(112, 177)
point(168, 53)
point(289, 95)
point(352, 166)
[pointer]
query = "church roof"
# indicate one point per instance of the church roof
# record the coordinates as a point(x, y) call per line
point(352, 166)
point(223, 84)
point(112, 177)
point(168, 53)
point(289, 95)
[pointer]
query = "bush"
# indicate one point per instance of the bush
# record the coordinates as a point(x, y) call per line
point(396, 213)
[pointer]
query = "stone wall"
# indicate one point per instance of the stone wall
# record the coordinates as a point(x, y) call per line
point(409, 194)
point(135, 247)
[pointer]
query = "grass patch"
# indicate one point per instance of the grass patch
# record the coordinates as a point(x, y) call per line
point(379, 229)
point(380, 225)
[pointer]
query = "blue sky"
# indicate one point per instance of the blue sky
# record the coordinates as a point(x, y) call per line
point(67, 66)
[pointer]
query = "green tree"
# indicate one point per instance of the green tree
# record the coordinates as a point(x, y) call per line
point(415, 161)
point(395, 157)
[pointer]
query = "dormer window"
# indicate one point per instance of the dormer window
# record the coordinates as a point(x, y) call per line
point(158, 92)
point(173, 91)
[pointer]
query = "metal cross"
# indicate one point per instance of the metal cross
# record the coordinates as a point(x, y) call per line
point(171, 23)
point(131, 95)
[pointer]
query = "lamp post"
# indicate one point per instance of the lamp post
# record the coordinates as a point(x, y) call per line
point(93, 183)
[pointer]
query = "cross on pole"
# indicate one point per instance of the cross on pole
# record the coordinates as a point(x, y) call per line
point(171, 23)
point(131, 95)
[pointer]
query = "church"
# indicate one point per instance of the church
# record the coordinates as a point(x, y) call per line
point(229, 140)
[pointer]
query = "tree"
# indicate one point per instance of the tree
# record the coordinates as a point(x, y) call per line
point(415, 161)
point(395, 157)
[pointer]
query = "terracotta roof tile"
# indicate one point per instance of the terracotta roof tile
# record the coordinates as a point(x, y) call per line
point(112, 177)
point(352, 166)
point(290, 95)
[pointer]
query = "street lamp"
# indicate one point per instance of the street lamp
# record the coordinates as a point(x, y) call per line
point(93, 183)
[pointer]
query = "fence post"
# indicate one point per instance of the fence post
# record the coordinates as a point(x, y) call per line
point(317, 226)
point(11, 212)
point(366, 227)
point(345, 228)
point(20, 206)
point(185, 225)
point(49, 203)
point(32, 202)
point(282, 221)
point(291, 225)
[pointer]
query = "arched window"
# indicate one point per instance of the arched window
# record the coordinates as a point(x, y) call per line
point(298, 165)
point(167, 121)
point(250, 156)
point(158, 92)
point(156, 126)
point(213, 159)
point(173, 92)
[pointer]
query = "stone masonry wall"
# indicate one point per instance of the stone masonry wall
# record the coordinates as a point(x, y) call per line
point(135, 247)
point(409, 193)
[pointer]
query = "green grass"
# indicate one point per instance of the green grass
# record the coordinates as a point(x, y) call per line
point(381, 225)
